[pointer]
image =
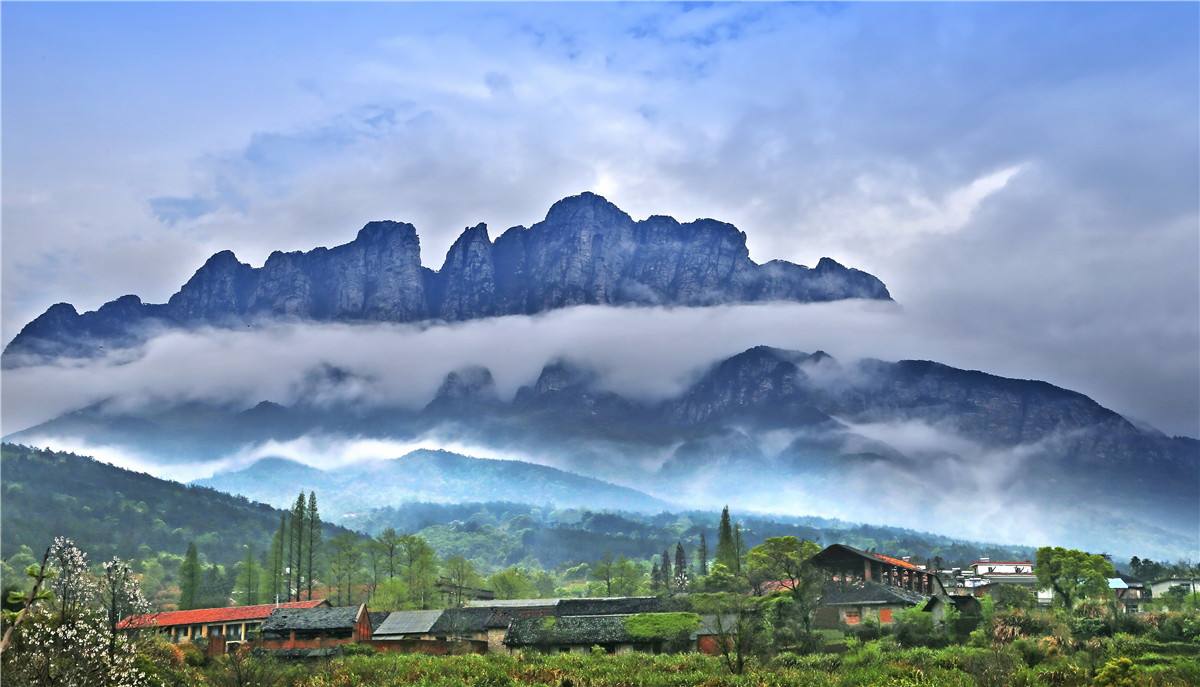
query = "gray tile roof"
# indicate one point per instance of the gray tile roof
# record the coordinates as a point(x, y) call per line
point(320, 618)
point(511, 603)
point(869, 593)
point(568, 630)
point(609, 605)
point(407, 622)
point(466, 620)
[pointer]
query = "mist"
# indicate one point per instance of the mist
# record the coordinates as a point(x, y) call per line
point(642, 353)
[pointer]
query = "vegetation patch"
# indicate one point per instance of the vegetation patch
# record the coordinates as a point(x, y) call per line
point(651, 626)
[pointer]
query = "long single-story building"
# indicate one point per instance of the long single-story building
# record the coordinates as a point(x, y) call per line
point(232, 624)
point(306, 629)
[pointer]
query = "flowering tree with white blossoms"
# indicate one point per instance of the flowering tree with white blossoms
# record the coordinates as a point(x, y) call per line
point(69, 639)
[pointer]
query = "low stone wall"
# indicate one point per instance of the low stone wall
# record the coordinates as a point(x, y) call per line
point(428, 646)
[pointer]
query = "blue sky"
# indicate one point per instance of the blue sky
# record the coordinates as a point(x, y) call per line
point(1020, 175)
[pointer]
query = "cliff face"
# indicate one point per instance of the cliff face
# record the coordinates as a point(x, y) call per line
point(586, 251)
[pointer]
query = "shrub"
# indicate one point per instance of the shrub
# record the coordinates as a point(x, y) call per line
point(1118, 672)
point(914, 627)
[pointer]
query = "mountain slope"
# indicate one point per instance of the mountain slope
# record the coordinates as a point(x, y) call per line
point(111, 511)
point(586, 251)
point(429, 476)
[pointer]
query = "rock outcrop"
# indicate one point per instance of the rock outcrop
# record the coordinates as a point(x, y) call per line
point(586, 251)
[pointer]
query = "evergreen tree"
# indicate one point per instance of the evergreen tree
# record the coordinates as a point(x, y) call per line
point(655, 577)
point(739, 550)
point(246, 586)
point(314, 539)
point(300, 532)
point(189, 579)
point(277, 551)
point(213, 592)
point(289, 552)
point(726, 553)
point(702, 556)
point(665, 570)
point(681, 567)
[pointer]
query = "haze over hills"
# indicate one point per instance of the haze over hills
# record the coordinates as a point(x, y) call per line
point(427, 476)
point(804, 433)
point(586, 251)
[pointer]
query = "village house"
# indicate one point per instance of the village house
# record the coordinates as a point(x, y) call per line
point(317, 631)
point(232, 624)
point(864, 585)
point(1161, 587)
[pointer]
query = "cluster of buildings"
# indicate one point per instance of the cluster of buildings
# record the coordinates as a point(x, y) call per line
point(861, 586)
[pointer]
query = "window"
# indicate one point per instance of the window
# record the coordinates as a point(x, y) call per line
point(885, 615)
point(852, 617)
point(214, 630)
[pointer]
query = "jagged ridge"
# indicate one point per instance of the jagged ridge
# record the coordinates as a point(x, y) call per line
point(586, 251)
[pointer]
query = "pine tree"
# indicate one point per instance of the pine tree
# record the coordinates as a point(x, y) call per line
point(681, 567)
point(702, 556)
point(287, 559)
point(277, 549)
point(246, 586)
point(665, 569)
point(739, 550)
point(726, 553)
point(655, 577)
point(314, 539)
point(300, 531)
point(189, 578)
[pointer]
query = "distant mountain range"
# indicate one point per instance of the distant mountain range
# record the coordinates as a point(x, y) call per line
point(776, 430)
point(586, 251)
point(430, 477)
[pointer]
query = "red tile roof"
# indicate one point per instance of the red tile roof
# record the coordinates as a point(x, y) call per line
point(201, 616)
point(890, 560)
point(1029, 563)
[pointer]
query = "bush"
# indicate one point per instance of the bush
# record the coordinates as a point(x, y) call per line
point(1118, 672)
point(914, 627)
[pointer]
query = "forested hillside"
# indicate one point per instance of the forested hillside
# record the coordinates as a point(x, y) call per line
point(116, 512)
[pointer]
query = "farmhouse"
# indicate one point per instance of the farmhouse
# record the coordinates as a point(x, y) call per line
point(314, 631)
point(863, 585)
point(234, 624)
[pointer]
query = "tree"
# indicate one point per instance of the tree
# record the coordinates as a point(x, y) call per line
point(287, 529)
point(602, 572)
point(300, 525)
point(461, 575)
point(214, 589)
point(739, 549)
point(314, 539)
point(655, 577)
point(726, 551)
point(1012, 596)
point(189, 579)
point(245, 587)
point(626, 577)
point(737, 622)
point(390, 541)
point(419, 569)
point(787, 561)
point(40, 574)
point(278, 547)
point(120, 596)
point(512, 583)
point(668, 578)
point(391, 595)
point(681, 567)
point(1072, 574)
point(702, 556)
point(344, 566)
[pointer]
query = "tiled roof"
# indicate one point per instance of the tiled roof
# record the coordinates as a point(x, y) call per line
point(613, 605)
point(201, 616)
point(511, 603)
point(461, 620)
point(1029, 563)
point(569, 630)
point(407, 622)
point(834, 549)
point(327, 618)
point(868, 593)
